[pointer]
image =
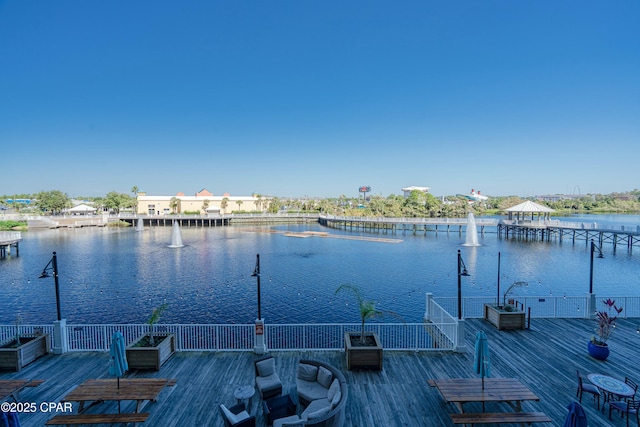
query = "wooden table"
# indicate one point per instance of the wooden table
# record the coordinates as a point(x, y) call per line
point(11, 388)
point(138, 389)
point(611, 386)
point(244, 392)
point(462, 390)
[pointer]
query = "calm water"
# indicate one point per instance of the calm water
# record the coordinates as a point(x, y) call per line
point(119, 275)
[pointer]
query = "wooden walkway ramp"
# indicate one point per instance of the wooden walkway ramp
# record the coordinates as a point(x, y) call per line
point(544, 358)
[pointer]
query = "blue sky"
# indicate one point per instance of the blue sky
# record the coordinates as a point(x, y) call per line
point(316, 98)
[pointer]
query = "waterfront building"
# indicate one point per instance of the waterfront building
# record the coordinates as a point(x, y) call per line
point(203, 202)
point(407, 190)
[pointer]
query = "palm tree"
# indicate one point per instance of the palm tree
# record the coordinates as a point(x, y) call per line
point(239, 202)
point(205, 205)
point(367, 308)
point(135, 190)
point(174, 204)
point(224, 203)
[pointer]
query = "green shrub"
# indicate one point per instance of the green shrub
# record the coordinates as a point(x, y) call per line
point(9, 225)
point(119, 223)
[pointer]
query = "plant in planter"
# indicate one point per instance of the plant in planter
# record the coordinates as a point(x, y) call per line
point(506, 316)
point(605, 325)
point(21, 350)
point(363, 349)
point(154, 348)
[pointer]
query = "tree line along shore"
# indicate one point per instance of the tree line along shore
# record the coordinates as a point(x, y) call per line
point(417, 204)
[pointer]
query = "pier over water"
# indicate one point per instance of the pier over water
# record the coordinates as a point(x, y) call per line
point(9, 239)
point(627, 236)
point(545, 230)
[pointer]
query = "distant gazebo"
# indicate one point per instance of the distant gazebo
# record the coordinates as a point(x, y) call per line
point(529, 208)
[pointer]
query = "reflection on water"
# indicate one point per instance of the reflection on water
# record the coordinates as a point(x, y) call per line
point(118, 275)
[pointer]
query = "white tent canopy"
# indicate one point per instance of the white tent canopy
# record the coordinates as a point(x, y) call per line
point(529, 207)
point(81, 209)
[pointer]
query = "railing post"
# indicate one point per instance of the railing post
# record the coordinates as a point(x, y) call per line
point(427, 307)
point(591, 306)
point(60, 339)
point(460, 346)
point(260, 346)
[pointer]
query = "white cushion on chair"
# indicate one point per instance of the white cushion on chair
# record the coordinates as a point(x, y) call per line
point(307, 372)
point(293, 419)
point(231, 417)
point(335, 387)
point(244, 415)
point(336, 399)
point(266, 367)
point(324, 377)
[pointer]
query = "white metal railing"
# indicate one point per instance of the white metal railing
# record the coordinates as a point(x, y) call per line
point(8, 332)
point(600, 227)
point(400, 336)
point(440, 331)
point(403, 220)
point(10, 236)
point(241, 337)
point(547, 306)
point(443, 324)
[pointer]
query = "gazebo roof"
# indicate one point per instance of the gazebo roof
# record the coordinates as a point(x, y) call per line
point(529, 206)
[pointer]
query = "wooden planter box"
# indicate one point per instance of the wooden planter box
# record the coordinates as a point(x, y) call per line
point(151, 357)
point(32, 346)
point(359, 356)
point(504, 319)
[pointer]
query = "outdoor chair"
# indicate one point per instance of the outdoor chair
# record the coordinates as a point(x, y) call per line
point(628, 381)
point(626, 407)
point(237, 416)
point(587, 388)
point(267, 381)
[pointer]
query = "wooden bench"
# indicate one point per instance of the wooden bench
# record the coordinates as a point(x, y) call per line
point(97, 419)
point(500, 418)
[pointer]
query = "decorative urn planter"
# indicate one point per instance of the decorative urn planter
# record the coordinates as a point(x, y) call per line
point(504, 319)
point(140, 355)
point(15, 355)
point(368, 356)
point(600, 352)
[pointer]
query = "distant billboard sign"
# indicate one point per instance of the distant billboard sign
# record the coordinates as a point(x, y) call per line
point(365, 189)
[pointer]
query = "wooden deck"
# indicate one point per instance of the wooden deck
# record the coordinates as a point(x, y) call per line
point(544, 358)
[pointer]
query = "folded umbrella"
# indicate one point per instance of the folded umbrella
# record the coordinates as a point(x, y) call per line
point(118, 353)
point(481, 362)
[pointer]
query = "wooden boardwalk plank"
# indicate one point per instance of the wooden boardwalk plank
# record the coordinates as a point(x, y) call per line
point(545, 359)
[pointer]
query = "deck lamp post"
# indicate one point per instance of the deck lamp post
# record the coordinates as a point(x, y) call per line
point(256, 274)
point(53, 265)
point(462, 271)
point(592, 297)
point(260, 346)
point(60, 342)
point(593, 249)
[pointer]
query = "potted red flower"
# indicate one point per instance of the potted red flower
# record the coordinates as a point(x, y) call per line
point(605, 325)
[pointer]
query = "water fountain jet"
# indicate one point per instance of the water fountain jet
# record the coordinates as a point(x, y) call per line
point(176, 236)
point(472, 231)
point(140, 225)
